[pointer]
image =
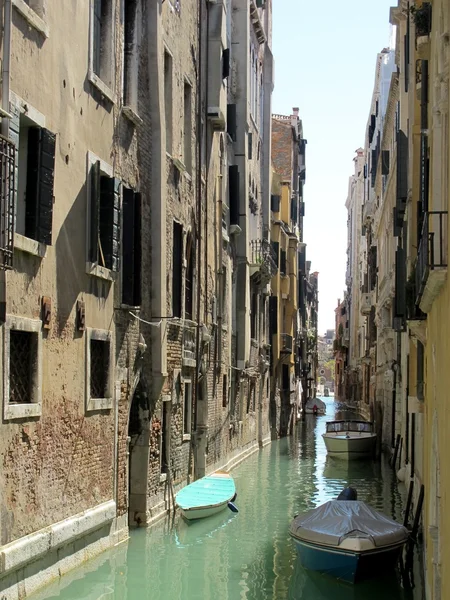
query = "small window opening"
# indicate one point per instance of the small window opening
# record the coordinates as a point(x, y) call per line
point(99, 368)
point(22, 366)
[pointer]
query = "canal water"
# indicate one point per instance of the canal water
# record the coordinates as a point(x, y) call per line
point(248, 555)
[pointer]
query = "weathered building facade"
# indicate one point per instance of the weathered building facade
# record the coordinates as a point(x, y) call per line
point(136, 194)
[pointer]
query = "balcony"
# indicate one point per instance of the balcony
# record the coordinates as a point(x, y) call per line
point(431, 270)
point(263, 262)
point(366, 303)
point(286, 343)
point(7, 196)
point(188, 348)
point(368, 210)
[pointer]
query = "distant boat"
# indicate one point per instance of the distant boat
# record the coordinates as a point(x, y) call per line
point(315, 406)
point(347, 539)
point(207, 496)
point(326, 392)
point(350, 439)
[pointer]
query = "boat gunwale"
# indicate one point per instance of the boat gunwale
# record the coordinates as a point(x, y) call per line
point(337, 550)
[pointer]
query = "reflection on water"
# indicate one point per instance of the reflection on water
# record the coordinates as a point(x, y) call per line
point(248, 555)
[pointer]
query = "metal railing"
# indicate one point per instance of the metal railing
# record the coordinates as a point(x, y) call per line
point(7, 201)
point(286, 343)
point(261, 251)
point(432, 252)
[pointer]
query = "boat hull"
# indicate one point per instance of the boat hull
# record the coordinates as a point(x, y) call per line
point(346, 565)
point(191, 514)
point(350, 448)
point(320, 413)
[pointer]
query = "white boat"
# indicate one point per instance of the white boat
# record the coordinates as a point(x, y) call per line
point(207, 496)
point(350, 440)
point(315, 406)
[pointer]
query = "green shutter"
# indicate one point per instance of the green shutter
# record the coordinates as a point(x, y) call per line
point(94, 208)
point(109, 225)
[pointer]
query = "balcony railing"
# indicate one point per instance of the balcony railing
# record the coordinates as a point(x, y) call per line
point(286, 343)
point(431, 258)
point(7, 198)
point(263, 260)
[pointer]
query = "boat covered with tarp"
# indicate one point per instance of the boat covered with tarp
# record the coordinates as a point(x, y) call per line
point(347, 539)
point(315, 406)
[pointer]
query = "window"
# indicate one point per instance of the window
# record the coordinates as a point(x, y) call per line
point(168, 100)
point(253, 316)
point(35, 158)
point(189, 281)
point(187, 158)
point(224, 299)
point(131, 55)
point(33, 12)
point(131, 244)
point(224, 391)
point(99, 369)
point(251, 398)
point(22, 368)
point(104, 217)
point(187, 409)
point(102, 54)
point(177, 269)
point(165, 436)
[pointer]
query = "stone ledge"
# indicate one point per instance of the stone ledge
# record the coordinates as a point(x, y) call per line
point(35, 545)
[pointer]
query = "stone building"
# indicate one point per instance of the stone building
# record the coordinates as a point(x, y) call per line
point(135, 247)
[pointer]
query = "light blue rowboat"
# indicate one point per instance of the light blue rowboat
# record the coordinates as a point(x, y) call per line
point(207, 496)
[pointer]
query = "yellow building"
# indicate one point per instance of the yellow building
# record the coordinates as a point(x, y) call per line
point(286, 227)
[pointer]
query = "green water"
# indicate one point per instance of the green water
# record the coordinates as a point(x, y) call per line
point(248, 555)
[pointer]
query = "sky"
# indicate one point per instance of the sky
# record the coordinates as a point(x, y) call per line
point(325, 53)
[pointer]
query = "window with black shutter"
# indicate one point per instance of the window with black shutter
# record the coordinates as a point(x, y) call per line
point(400, 282)
point(254, 312)
point(276, 247)
point(273, 315)
point(302, 209)
point(189, 283)
point(35, 158)
point(233, 191)
point(294, 209)
point(283, 262)
point(104, 230)
point(225, 63)
point(231, 121)
point(250, 146)
point(385, 162)
point(275, 203)
point(177, 271)
point(131, 248)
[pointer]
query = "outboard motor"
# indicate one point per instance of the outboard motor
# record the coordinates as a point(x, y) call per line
point(348, 493)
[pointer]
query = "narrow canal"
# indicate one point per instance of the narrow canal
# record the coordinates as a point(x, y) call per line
point(247, 555)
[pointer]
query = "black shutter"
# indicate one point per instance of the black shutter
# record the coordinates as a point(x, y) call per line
point(39, 192)
point(137, 249)
point(365, 171)
point(273, 315)
point(109, 225)
point(275, 203)
point(250, 146)
point(283, 262)
point(400, 283)
point(293, 209)
point(131, 248)
point(231, 121)
point(302, 209)
point(225, 63)
point(276, 248)
point(94, 209)
point(177, 273)
point(233, 192)
point(373, 171)
point(385, 162)
point(402, 165)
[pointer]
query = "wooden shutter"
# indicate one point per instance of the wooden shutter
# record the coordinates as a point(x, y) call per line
point(14, 128)
point(283, 262)
point(276, 248)
point(231, 121)
point(40, 177)
point(402, 166)
point(273, 315)
point(233, 192)
point(94, 208)
point(275, 203)
point(131, 248)
point(177, 273)
point(400, 282)
point(96, 50)
point(109, 224)
point(250, 146)
point(385, 162)
point(225, 63)
point(302, 209)
point(294, 209)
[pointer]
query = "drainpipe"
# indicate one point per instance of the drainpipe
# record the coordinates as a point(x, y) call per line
point(7, 18)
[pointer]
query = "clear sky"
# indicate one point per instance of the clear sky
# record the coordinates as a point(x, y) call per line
point(325, 53)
